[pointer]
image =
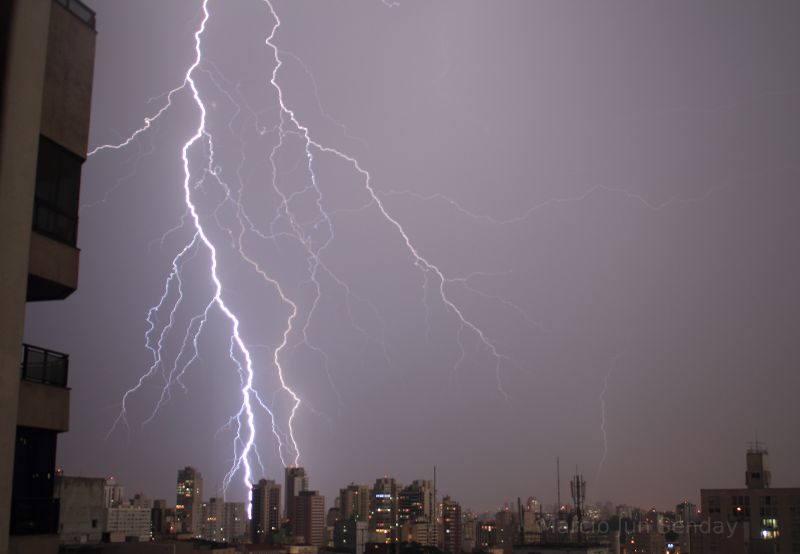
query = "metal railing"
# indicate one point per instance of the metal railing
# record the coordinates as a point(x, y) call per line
point(34, 516)
point(44, 366)
point(79, 10)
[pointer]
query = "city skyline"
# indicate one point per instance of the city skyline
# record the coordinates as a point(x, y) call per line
point(616, 221)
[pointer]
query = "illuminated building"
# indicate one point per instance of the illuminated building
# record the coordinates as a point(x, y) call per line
point(296, 481)
point(46, 72)
point(415, 502)
point(265, 511)
point(451, 526)
point(383, 507)
point(189, 500)
point(756, 519)
point(309, 518)
point(485, 535)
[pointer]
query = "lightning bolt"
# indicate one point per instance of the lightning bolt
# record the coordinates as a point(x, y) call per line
point(612, 367)
point(314, 237)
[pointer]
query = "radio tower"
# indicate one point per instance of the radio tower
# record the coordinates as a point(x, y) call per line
point(578, 487)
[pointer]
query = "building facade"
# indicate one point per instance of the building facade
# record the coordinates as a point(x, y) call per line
point(296, 481)
point(383, 508)
point(46, 72)
point(756, 519)
point(354, 502)
point(451, 526)
point(265, 512)
point(309, 519)
point(189, 501)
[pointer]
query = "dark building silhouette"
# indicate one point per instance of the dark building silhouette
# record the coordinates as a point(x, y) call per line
point(46, 73)
point(265, 516)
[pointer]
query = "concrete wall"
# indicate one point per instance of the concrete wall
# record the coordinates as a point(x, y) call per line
point(55, 262)
point(66, 104)
point(82, 514)
point(19, 143)
point(43, 406)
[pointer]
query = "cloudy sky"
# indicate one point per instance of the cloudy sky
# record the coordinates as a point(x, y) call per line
point(579, 238)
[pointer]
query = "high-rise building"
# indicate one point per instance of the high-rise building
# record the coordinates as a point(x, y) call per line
point(309, 518)
point(223, 521)
point(234, 521)
point(485, 535)
point(468, 529)
point(46, 71)
point(163, 518)
point(354, 502)
point(759, 518)
point(415, 502)
point(265, 512)
point(296, 481)
point(113, 493)
point(383, 508)
point(451, 526)
point(211, 520)
point(189, 501)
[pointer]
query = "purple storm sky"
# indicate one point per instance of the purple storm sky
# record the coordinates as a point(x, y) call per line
point(611, 188)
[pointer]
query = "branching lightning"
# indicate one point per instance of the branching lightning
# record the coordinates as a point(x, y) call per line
point(314, 237)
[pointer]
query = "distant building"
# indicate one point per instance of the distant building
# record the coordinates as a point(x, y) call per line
point(163, 519)
point(506, 529)
point(468, 529)
point(234, 522)
point(46, 70)
point(309, 518)
point(383, 507)
point(421, 532)
point(451, 526)
point(354, 502)
point(485, 535)
point(189, 501)
point(82, 509)
point(265, 512)
point(350, 535)
point(415, 502)
point(753, 520)
point(211, 514)
point(129, 521)
point(113, 493)
point(296, 481)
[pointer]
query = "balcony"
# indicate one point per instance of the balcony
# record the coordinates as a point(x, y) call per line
point(43, 392)
point(34, 516)
point(44, 366)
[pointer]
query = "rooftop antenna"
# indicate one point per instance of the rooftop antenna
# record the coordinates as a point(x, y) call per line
point(558, 493)
point(578, 488)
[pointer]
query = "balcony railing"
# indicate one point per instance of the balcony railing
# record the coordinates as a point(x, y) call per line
point(79, 10)
point(44, 366)
point(34, 516)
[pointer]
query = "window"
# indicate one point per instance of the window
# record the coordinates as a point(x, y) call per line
point(58, 179)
